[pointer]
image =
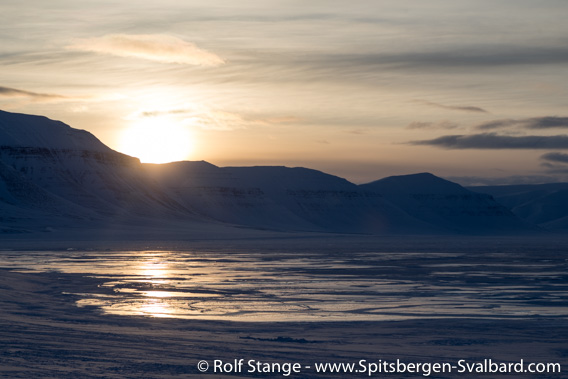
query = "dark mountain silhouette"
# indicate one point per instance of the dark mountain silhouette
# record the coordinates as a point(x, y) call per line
point(54, 175)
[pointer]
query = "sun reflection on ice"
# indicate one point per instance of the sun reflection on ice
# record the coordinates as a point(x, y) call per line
point(156, 308)
point(154, 272)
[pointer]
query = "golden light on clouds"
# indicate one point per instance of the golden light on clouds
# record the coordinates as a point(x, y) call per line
point(217, 120)
point(323, 87)
point(156, 140)
point(155, 47)
point(6, 92)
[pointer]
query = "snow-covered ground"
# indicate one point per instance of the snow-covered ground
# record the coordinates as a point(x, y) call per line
point(466, 298)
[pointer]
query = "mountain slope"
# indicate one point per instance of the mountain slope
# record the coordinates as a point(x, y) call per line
point(52, 175)
point(39, 132)
point(447, 204)
point(52, 168)
point(282, 198)
point(542, 204)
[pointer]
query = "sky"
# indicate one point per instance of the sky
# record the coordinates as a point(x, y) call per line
point(474, 91)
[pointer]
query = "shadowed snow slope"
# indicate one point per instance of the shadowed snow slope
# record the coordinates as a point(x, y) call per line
point(283, 198)
point(40, 132)
point(54, 175)
point(542, 204)
point(446, 204)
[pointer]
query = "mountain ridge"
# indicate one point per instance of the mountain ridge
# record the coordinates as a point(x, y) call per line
point(81, 180)
point(545, 205)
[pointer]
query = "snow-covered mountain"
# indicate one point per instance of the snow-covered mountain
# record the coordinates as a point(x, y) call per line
point(542, 204)
point(283, 198)
point(54, 175)
point(51, 173)
point(446, 204)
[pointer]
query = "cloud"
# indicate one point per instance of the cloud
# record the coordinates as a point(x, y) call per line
point(463, 108)
point(384, 67)
point(555, 157)
point(281, 120)
point(164, 112)
point(6, 92)
point(501, 181)
point(453, 59)
point(432, 125)
point(555, 168)
point(547, 122)
point(222, 120)
point(496, 124)
point(494, 141)
point(155, 47)
point(474, 56)
point(357, 131)
point(212, 119)
point(218, 120)
point(197, 115)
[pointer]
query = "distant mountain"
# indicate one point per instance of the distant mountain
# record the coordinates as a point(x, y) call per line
point(52, 175)
point(542, 204)
point(446, 204)
point(283, 198)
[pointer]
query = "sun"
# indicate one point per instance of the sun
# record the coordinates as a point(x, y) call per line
point(156, 140)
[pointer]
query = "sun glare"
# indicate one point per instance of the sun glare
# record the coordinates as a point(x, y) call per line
point(156, 140)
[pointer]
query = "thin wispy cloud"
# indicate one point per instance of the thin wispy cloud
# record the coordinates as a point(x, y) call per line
point(212, 119)
point(480, 56)
point(6, 92)
point(432, 125)
point(463, 108)
point(555, 157)
point(155, 47)
point(370, 64)
point(197, 116)
point(164, 113)
point(547, 122)
point(281, 120)
point(497, 124)
point(555, 168)
point(222, 120)
point(495, 141)
point(218, 120)
point(358, 131)
point(500, 181)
